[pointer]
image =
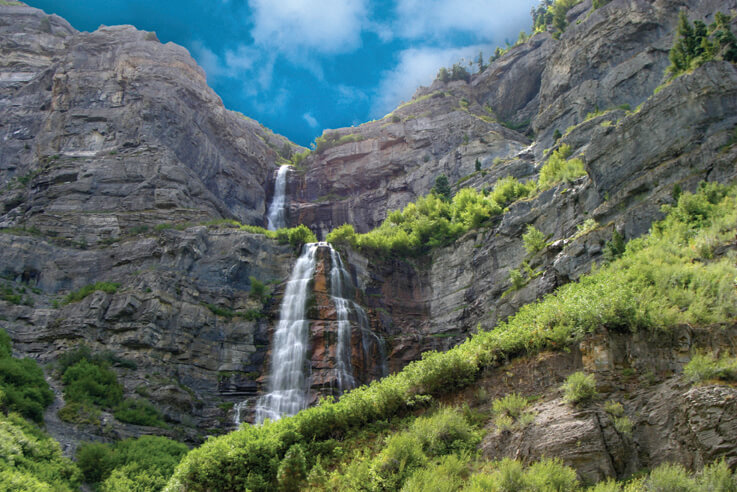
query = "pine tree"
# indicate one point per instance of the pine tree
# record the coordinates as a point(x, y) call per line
point(442, 187)
point(682, 51)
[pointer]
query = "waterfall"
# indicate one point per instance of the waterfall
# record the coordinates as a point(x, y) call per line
point(343, 370)
point(342, 294)
point(276, 216)
point(289, 373)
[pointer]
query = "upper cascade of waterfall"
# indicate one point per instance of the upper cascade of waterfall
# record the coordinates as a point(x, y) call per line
point(290, 370)
point(276, 216)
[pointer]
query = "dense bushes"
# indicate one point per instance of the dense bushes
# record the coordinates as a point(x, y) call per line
point(143, 464)
point(90, 384)
point(31, 460)
point(658, 281)
point(703, 367)
point(23, 388)
point(433, 220)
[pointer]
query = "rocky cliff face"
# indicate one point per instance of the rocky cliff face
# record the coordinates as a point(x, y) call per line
point(111, 130)
point(114, 148)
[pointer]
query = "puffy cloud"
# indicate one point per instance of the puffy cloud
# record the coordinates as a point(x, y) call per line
point(416, 67)
point(485, 19)
point(322, 26)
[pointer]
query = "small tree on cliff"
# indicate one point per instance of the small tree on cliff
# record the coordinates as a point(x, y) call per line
point(442, 187)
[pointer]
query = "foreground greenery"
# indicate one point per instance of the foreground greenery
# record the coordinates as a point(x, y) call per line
point(23, 388)
point(143, 464)
point(671, 276)
point(438, 220)
point(30, 460)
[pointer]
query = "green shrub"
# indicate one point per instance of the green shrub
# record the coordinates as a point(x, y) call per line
point(79, 294)
point(444, 432)
point(512, 405)
point(258, 289)
point(560, 168)
point(717, 477)
point(292, 470)
point(397, 461)
point(30, 460)
point(86, 382)
point(509, 413)
point(550, 475)
point(447, 474)
point(96, 460)
point(433, 221)
point(76, 412)
point(22, 384)
point(670, 478)
point(139, 412)
point(143, 463)
point(579, 388)
point(533, 240)
point(703, 367)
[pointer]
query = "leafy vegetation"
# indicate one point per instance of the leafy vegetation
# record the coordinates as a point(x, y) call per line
point(333, 139)
point(579, 388)
point(696, 44)
point(143, 464)
point(705, 367)
point(659, 281)
point(560, 168)
point(23, 388)
point(433, 221)
point(438, 220)
point(90, 385)
point(30, 460)
point(456, 72)
point(551, 14)
point(79, 294)
point(533, 240)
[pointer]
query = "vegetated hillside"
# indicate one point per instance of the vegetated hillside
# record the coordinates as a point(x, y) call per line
point(596, 379)
point(126, 273)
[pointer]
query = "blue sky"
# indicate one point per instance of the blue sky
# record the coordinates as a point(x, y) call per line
point(301, 66)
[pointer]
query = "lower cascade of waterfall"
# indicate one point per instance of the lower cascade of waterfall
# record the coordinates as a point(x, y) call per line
point(276, 215)
point(290, 369)
point(341, 293)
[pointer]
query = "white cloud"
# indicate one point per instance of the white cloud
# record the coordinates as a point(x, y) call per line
point(323, 26)
point(416, 67)
point(486, 19)
point(311, 120)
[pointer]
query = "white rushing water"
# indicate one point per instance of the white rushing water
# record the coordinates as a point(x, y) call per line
point(342, 293)
point(289, 373)
point(276, 216)
point(339, 294)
